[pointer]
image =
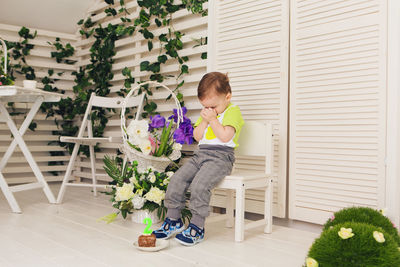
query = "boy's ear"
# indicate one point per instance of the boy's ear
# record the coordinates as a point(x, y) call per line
point(229, 96)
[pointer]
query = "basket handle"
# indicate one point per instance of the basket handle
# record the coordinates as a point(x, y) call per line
point(5, 55)
point(123, 120)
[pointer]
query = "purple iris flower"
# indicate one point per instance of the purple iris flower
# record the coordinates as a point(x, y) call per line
point(157, 121)
point(184, 134)
point(175, 116)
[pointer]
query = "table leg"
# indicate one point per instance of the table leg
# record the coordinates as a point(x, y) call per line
point(29, 117)
point(18, 140)
point(9, 195)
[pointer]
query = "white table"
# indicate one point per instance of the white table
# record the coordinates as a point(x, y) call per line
point(24, 95)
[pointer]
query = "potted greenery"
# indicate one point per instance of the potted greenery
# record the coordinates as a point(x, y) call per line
point(30, 77)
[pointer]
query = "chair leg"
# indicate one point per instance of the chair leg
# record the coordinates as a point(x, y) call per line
point(268, 207)
point(229, 208)
point(93, 167)
point(68, 173)
point(239, 219)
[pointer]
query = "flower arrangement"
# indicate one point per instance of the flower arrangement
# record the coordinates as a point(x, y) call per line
point(133, 190)
point(157, 142)
point(5, 80)
point(160, 137)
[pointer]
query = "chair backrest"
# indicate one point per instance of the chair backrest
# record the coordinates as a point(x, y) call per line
point(115, 102)
point(109, 102)
point(256, 139)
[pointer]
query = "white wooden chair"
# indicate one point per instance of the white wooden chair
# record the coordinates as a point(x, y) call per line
point(256, 140)
point(89, 140)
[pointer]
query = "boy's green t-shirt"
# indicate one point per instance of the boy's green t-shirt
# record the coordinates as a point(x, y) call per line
point(230, 117)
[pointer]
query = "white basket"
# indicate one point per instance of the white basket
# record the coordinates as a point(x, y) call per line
point(145, 161)
point(5, 55)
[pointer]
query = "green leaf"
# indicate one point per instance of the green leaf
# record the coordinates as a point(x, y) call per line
point(150, 107)
point(204, 55)
point(162, 58)
point(163, 38)
point(185, 69)
point(150, 45)
point(144, 65)
point(126, 71)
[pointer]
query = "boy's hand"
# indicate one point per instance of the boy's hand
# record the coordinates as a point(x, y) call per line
point(208, 114)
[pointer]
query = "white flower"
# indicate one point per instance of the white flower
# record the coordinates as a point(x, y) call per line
point(152, 178)
point(138, 202)
point(379, 237)
point(124, 193)
point(383, 211)
point(177, 146)
point(135, 140)
point(166, 181)
point(169, 174)
point(176, 154)
point(145, 146)
point(138, 129)
point(345, 233)
point(155, 194)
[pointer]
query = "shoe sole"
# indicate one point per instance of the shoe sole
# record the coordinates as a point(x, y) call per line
point(189, 244)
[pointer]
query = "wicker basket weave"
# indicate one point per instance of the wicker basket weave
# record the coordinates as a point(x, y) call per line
point(145, 161)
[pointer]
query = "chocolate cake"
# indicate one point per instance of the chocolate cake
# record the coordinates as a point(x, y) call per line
point(147, 240)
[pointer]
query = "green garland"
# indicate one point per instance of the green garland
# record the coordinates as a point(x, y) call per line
point(97, 76)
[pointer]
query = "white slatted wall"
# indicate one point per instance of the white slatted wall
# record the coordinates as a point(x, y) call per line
point(249, 39)
point(18, 170)
point(133, 50)
point(337, 106)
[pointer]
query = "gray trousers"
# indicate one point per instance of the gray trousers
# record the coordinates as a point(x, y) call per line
point(208, 166)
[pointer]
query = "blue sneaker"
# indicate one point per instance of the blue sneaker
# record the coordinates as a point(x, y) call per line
point(191, 236)
point(169, 228)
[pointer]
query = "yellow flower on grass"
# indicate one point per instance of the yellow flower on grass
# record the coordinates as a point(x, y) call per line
point(379, 237)
point(310, 262)
point(345, 233)
point(124, 193)
point(398, 248)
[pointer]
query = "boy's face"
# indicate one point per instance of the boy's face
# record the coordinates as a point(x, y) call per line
point(218, 102)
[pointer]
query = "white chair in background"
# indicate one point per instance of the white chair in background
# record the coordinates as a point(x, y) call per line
point(256, 140)
point(89, 140)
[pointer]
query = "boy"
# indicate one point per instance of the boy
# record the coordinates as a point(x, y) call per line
point(217, 131)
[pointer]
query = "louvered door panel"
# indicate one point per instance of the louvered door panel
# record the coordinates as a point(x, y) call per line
point(249, 41)
point(337, 106)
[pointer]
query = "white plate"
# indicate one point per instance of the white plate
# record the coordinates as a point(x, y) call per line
point(160, 244)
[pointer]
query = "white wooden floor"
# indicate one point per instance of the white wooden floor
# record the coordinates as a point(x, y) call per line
point(69, 235)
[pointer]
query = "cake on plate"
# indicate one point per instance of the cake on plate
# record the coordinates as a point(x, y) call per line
point(147, 240)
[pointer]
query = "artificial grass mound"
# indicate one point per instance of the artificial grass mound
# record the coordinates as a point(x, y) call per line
point(364, 215)
point(360, 250)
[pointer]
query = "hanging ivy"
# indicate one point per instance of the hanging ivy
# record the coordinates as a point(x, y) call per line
point(97, 75)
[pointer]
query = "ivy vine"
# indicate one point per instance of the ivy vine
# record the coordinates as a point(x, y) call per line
point(97, 75)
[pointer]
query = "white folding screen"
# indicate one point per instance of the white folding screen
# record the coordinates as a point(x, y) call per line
point(337, 106)
point(248, 39)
